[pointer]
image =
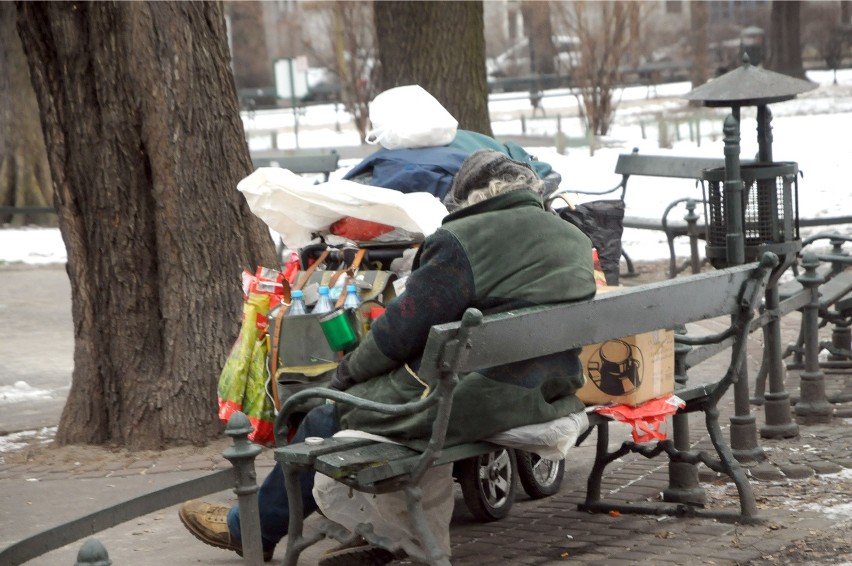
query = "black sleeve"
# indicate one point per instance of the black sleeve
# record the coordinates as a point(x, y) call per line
point(437, 291)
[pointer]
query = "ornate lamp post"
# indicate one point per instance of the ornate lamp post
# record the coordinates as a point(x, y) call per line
point(750, 209)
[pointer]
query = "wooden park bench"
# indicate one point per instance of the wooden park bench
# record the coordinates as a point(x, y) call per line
point(479, 341)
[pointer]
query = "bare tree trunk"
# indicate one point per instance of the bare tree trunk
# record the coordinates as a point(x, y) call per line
point(538, 30)
point(699, 73)
point(634, 50)
point(354, 48)
point(252, 65)
point(785, 44)
point(24, 171)
point(441, 47)
point(146, 147)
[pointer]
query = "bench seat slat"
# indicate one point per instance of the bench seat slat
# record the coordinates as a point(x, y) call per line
point(379, 461)
point(349, 462)
point(302, 454)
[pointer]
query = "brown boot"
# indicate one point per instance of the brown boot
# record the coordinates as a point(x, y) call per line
point(359, 553)
point(208, 523)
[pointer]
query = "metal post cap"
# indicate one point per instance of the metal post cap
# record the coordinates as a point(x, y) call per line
point(93, 553)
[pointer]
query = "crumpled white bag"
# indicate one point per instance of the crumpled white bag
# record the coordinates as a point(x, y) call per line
point(407, 117)
point(388, 512)
point(295, 207)
point(550, 440)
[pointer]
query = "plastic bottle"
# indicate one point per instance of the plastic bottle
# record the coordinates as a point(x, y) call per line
point(297, 304)
point(324, 303)
point(336, 290)
point(352, 300)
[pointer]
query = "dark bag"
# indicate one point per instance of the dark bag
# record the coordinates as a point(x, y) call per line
point(603, 222)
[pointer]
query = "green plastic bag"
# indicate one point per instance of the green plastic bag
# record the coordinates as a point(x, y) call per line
point(257, 402)
point(232, 380)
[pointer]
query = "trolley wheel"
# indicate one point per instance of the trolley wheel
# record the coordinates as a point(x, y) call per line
point(539, 476)
point(488, 483)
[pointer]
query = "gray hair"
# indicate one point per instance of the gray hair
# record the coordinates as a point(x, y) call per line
point(499, 186)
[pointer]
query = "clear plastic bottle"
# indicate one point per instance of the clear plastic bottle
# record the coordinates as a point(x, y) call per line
point(324, 303)
point(352, 300)
point(297, 304)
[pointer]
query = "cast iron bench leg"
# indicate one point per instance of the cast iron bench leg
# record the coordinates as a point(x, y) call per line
point(748, 506)
point(295, 541)
point(414, 500)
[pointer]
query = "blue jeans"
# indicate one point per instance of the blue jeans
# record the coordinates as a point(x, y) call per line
point(272, 497)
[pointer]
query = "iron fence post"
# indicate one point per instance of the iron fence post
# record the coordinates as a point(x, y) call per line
point(841, 336)
point(779, 422)
point(692, 219)
point(813, 407)
point(242, 455)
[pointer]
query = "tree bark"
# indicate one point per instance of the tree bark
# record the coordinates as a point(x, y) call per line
point(146, 147)
point(539, 32)
point(441, 47)
point(252, 65)
point(24, 171)
point(785, 43)
point(700, 71)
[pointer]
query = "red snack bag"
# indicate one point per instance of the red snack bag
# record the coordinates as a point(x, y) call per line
point(359, 230)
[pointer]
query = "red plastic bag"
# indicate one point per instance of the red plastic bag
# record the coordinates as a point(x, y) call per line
point(648, 419)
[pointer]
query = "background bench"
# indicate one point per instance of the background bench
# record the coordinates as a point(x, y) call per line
point(301, 163)
point(478, 341)
point(665, 166)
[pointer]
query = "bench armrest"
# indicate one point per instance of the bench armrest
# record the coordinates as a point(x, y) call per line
point(440, 396)
point(342, 397)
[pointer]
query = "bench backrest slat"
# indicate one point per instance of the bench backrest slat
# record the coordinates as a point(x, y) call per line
point(664, 165)
point(301, 164)
point(536, 331)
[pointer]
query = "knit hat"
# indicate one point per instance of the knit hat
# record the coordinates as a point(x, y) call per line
point(480, 167)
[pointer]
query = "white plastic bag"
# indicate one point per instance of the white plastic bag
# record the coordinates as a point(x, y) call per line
point(388, 512)
point(550, 440)
point(296, 208)
point(407, 117)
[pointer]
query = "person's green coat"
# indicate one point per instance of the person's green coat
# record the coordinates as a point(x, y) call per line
point(499, 254)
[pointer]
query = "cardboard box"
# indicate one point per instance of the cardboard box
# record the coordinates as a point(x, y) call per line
point(629, 371)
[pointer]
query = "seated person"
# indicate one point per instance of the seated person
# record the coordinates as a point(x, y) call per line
point(497, 250)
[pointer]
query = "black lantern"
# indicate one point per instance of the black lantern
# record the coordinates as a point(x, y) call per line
point(753, 207)
point(770, 220)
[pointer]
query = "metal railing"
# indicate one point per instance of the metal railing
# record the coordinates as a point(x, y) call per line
point(241, 477)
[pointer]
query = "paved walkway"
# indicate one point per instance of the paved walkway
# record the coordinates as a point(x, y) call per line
point(803, 489)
